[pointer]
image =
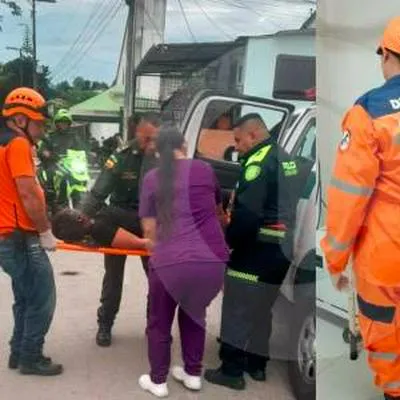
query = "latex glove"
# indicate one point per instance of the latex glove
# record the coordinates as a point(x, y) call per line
point(47, 240)
point(148, 245)
point(340, 282)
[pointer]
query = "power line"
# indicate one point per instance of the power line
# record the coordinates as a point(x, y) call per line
point(236, 28)
point(187, 21)
point(212, 21)
point(94, 16)
point(88, 48)
point(243, 7)
point(153, 23)
point(95, 9)
point(90, 44)
point(277, 9)
point(80, 49)
point(98, 15)
point(94, 39)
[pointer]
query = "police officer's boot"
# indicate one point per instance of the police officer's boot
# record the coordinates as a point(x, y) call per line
point(104, 336)
point(219, 377)
point(42, 366)
point(255, 366)
point(257, 375)
point(13, 361)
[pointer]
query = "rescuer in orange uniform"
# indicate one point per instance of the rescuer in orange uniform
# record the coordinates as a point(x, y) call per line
point(363, 218)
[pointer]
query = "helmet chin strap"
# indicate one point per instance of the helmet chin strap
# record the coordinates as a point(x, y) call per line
point(25, 131)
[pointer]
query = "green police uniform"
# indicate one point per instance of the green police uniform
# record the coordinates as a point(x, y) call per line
point(120, 181)
point(52, 176)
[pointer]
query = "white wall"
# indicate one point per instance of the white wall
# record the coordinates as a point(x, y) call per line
point(103, 130)
point(150, 27)
point(261, 57)
point(348, 33)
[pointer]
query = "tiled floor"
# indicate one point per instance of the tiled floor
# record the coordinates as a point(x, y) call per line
point(339, 377)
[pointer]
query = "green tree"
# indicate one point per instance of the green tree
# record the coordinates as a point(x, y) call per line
point(16, 10)
point(79, 83)
point(63, 87)
point(18, 72)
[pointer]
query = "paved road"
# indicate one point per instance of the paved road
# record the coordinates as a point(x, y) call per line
point(92, 373)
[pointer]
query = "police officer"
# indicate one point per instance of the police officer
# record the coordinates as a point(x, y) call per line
point(260, 235)
point(54, 146)
point(120, 180)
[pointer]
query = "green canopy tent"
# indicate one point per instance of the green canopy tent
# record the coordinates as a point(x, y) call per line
point(107, 106)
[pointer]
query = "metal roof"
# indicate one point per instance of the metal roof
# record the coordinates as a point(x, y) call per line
point(183, 58)
point(289, 32)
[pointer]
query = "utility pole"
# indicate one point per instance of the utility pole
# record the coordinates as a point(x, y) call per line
point(34, 55)
point(130, 65)
point(35, 83)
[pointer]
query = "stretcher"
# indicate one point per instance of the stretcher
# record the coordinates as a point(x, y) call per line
point(104, 250)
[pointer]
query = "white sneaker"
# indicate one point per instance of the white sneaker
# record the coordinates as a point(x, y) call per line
point(189, 381)
point(158, 390)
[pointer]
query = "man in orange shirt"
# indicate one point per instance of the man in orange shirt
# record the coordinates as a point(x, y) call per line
point(25, 233)
point(363, 218)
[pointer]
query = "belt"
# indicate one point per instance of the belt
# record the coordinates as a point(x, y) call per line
point(6, 235)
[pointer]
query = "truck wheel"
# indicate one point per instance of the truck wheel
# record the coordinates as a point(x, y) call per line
point(302, 363)
point(302, 367)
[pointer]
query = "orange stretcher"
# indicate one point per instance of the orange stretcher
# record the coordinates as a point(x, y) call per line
point(104, 250)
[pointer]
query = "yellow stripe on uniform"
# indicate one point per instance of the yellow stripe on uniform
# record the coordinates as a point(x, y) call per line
point(242, 275)
point(272, 232)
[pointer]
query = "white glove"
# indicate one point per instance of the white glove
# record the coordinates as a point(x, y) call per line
point(47, 240)
point(340, 282)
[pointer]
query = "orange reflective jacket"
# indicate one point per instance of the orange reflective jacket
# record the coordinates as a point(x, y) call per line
point(363, 217)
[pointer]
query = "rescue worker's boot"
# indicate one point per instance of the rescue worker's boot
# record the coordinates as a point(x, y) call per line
point(389, 397)
point(13, 361)
point(42, 366)
point(104, 336)
point(219, 377)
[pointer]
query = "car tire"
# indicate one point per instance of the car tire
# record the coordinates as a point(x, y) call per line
point(302, 364)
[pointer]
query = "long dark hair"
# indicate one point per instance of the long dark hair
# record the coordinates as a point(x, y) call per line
point(169, 140)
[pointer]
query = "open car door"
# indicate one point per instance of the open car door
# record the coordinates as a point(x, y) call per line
point(208, 129)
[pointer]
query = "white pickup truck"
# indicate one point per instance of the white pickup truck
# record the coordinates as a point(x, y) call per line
point(211, 140)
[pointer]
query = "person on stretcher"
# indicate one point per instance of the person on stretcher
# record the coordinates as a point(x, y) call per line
point(111, 227)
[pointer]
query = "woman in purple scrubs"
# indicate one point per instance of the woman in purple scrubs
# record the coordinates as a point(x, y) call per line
point(181, 212)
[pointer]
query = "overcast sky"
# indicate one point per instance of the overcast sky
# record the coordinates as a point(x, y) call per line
point(96, 53)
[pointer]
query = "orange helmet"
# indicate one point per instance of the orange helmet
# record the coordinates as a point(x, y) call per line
point(25, 101)
point(391, 37)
